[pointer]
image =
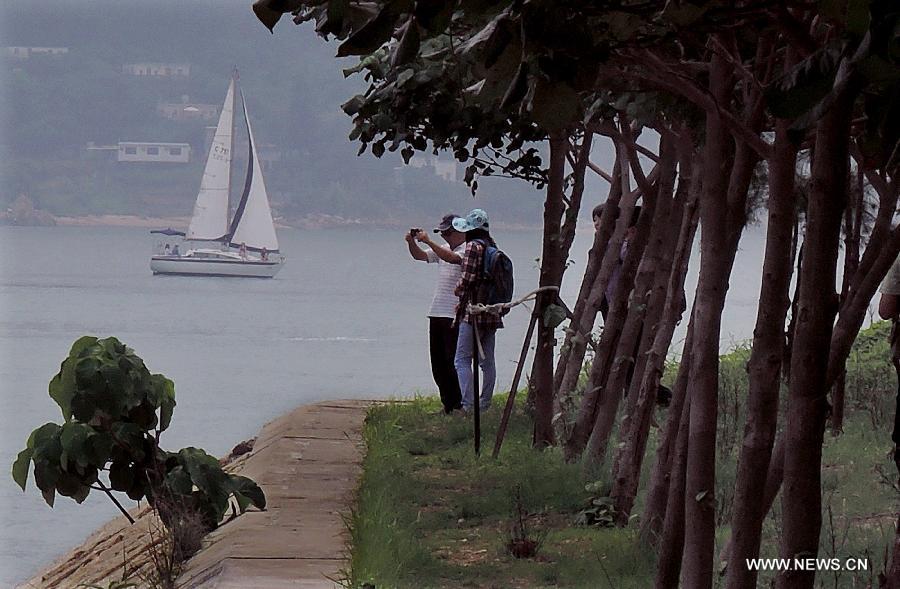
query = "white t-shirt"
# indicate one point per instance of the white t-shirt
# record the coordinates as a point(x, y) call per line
point(444, 302)
point(891, 284)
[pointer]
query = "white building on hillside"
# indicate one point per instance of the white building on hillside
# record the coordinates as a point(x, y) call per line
point(158, 70)
point(26, 52)
point(442, 168)
point(136, 151)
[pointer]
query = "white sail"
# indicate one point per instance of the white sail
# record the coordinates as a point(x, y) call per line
point(252, 224)
point(210, 218)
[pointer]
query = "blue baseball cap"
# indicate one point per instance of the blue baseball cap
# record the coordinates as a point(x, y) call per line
point(476, 219)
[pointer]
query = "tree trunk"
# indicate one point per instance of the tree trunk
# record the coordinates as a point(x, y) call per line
point(699, 540)
point(552, 266)
point(579, 167)
point(656, 508)
point(809, 361)
point(852, 235)
point(892, 574)
point(853, 311)
point(764, 366)
point(671, 545)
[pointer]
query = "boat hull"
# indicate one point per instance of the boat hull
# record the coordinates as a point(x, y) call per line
point(186, 266)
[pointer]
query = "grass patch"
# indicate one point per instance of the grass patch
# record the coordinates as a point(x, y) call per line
point(432, 514)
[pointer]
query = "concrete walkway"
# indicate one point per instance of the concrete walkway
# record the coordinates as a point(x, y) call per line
point(308, 463)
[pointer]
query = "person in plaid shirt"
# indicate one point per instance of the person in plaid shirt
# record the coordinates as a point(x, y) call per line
point(472, 288)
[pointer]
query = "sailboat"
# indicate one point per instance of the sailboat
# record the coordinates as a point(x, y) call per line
point(251, 231)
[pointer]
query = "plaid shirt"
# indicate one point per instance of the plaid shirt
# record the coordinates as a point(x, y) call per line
point(472, 288)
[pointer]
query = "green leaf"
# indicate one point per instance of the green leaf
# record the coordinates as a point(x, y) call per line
point(45, 442)
point(334, 17)
point(179, 481)
point(517, 88)
point(858, 17)
point(62, 386)
point(121, 476)
point(370, 37)
point(49, 496)
point(555, 105)
point(243, 486)
point(683, 14)
point(352, 106)
point(205, 471)
point(408, 48)
point(434, 15)
point(98, 448)
point(699, 497)
point(21, 467)
point(803, 87)
point(166, 390)
point(269, 11)
point(554, 315)
point(72, 438)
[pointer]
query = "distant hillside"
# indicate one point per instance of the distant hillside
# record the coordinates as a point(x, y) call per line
point(55, 105)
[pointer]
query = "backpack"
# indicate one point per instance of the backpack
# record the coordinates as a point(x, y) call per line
point(497, 272)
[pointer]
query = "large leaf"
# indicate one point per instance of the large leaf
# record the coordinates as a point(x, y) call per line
point(269, 11)
point(73, 440)
point(518, 87)
point(204, 470)
point(554, 315)
point(21, 467)
point(370, 37)
point(62, 386)
point(408, 47)
point(333, 22)
point(555, 105)
point(247, 488)
point(434, 15)
point(803, 87)
point(121, 476)
point(179, 481)
point(165, 389)
point(45, 442)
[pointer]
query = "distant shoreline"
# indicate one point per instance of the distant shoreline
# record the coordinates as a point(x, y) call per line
point(320, 221)
point(122, 221)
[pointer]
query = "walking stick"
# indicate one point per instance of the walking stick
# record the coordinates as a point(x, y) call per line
point(895, 360)
point(513, 389)
point(476, 390)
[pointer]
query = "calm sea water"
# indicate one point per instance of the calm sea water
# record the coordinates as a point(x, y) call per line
point(343, 319)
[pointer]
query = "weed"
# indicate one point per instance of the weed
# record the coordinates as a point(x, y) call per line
point(522, 540)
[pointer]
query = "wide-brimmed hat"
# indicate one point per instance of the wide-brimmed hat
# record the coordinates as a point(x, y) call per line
point(446, 223)
point(476, 219)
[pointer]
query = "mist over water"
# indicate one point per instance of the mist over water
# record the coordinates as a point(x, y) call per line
point(345, 318)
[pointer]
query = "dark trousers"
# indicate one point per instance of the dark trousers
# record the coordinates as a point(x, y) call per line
point(442, 337)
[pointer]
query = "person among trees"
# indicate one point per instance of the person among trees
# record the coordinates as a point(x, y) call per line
point(663, 393)
point(472, 289)
point(617, 271)
point(889, 308)
point(442, 332)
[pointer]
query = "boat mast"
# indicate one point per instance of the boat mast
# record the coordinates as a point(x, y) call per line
point(234, 77)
